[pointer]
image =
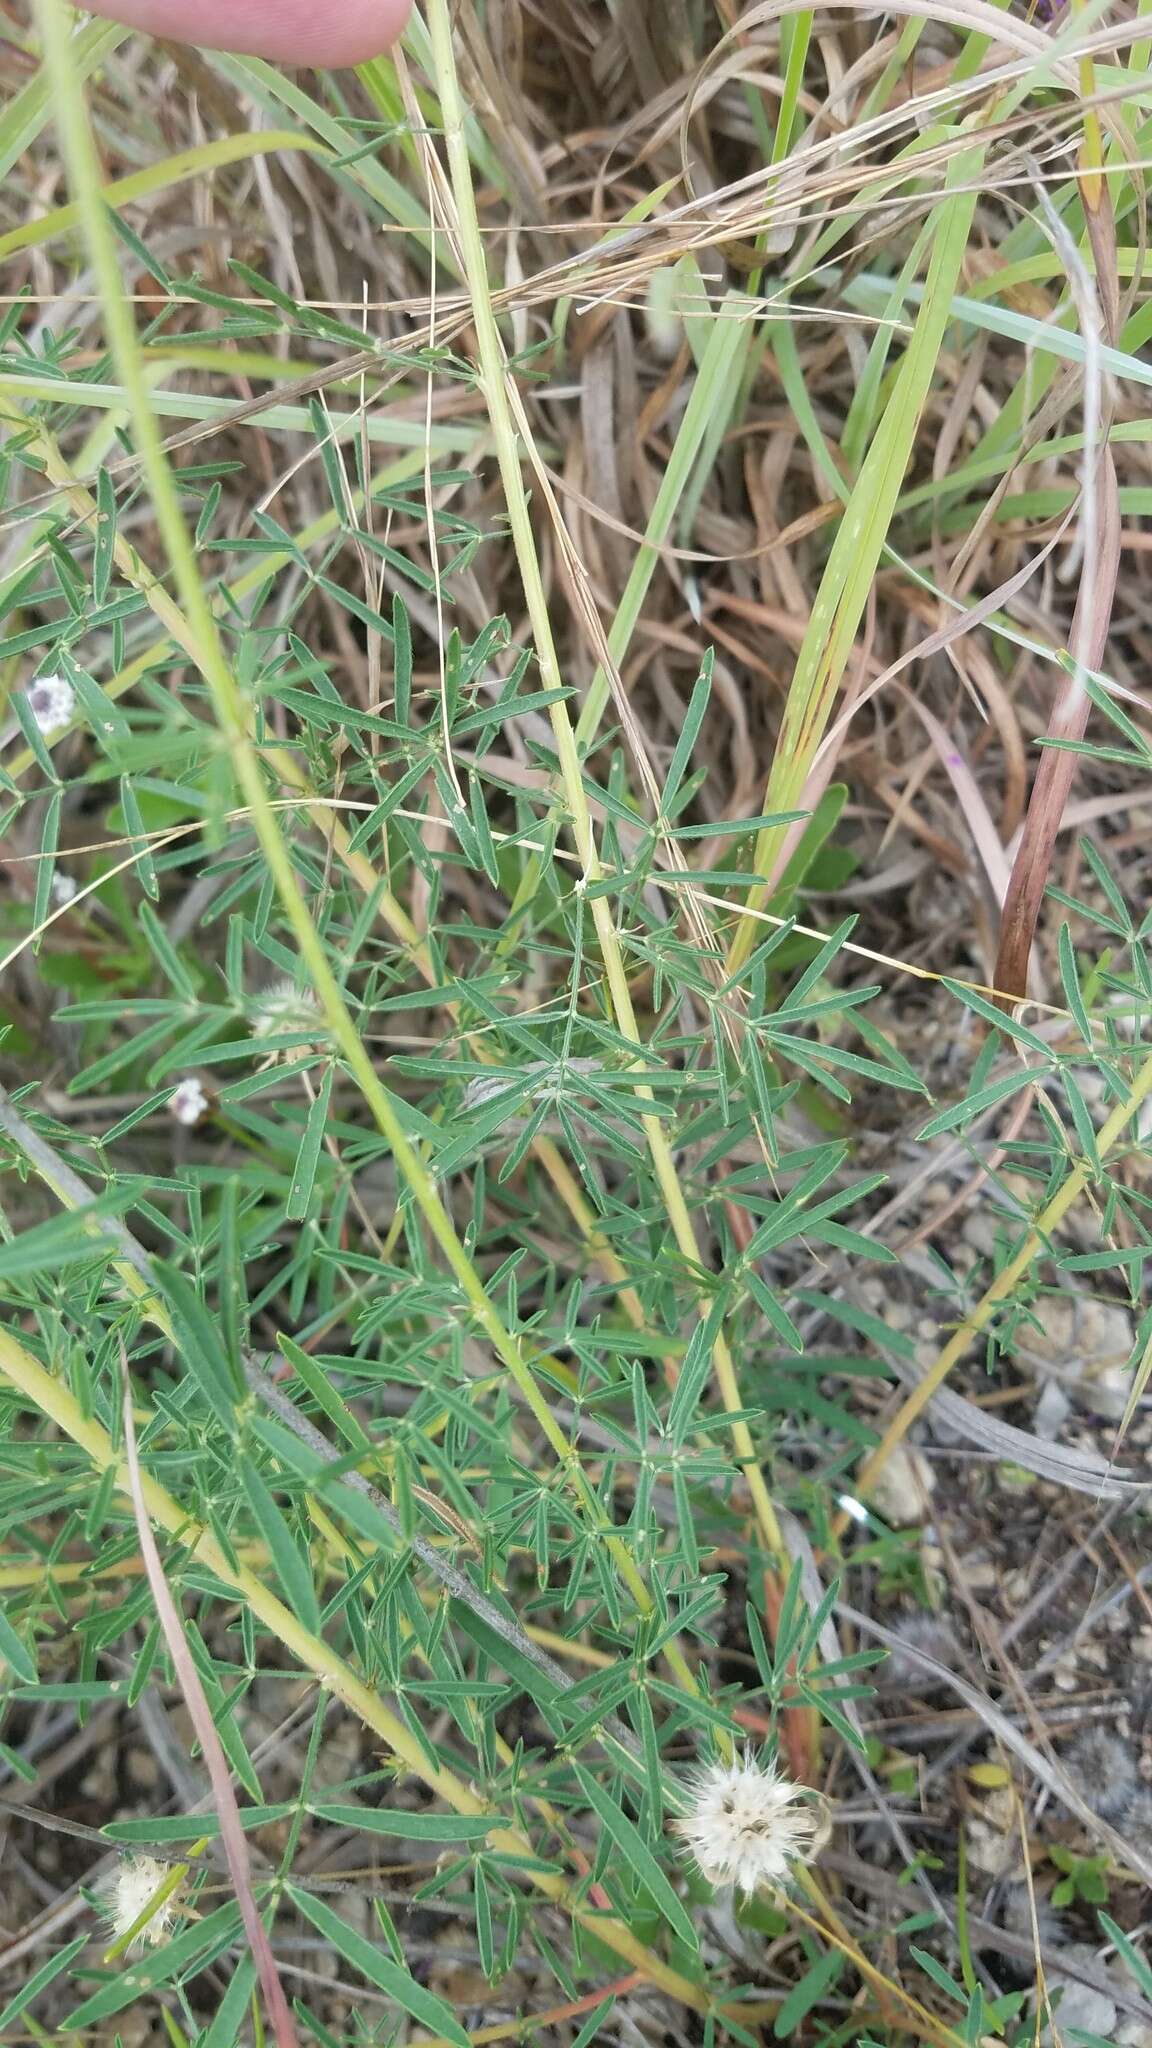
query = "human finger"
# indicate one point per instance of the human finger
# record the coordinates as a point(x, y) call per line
point(324, 33)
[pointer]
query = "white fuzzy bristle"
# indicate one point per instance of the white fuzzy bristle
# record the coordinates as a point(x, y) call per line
point(284, 1007)
point(128, 1895)
point(52, 701)
point(747, 1824)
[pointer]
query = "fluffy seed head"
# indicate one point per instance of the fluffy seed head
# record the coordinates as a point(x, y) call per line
point(188, 1102)
point(284, 1007)
point(128, 1895)
point(747, 1825)
point(51, 700)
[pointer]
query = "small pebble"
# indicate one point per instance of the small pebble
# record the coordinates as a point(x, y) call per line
point(903, 1487)
point(1081, 2008)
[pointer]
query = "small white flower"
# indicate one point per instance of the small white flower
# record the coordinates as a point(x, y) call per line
point(128, 1895)
point(747, 1825)
point(188, 1102)
point(63, 888)
point(52, 701)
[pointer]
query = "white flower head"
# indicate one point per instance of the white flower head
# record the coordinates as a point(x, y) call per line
point(284, 1007)
point(188, 1102)
point(64, 888)
point(127, 1896)
point(52, 701)
point(747, 1824)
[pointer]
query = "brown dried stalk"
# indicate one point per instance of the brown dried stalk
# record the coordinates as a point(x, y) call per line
point(1087, 641)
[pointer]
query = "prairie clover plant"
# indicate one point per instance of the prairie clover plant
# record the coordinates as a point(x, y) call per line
point(452, 1135)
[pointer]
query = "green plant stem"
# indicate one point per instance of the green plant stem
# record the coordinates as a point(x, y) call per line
point(493, 375)
point(133, 1270)
point(232, 716)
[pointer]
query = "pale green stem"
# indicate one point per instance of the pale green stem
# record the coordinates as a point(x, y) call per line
point(232, 715)
point(286, 768)
point(493, 373)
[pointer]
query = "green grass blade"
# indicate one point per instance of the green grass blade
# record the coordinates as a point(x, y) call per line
point(860, 539)
point(713, 395)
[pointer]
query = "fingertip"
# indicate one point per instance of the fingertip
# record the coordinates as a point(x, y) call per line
point(348, 34)
point(326, 34)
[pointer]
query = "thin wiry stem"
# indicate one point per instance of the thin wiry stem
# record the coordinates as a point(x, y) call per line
point(1002, 1288)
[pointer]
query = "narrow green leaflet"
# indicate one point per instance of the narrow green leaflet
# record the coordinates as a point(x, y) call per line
point(963, 1113)
point(45, 1975)
point(289, 1558)
point(14, 1652)
point(230, 2013)
point(192, 1948)
point(1070, 979)
point(64, 1239)
point(190, 1827)
point(46, 865)
point(398, 1984)
point(812, 1987)
point(638, 1857)
point(304, 1171)
point(1138, 1964)
point(411, 1826)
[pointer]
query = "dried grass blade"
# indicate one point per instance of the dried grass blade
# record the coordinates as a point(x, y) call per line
point(1100, 538)
point(970, 798)
point(158, 177)
point(1054, 777)
point(715, 389)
